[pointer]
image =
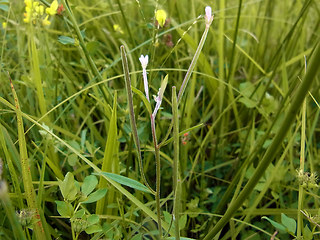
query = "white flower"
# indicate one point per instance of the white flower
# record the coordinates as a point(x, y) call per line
point(144, 63)
point(209, 16)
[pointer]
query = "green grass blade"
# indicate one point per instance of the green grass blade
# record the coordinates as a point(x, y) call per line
point(110, 161)
point(176, 174)
point(26, 175)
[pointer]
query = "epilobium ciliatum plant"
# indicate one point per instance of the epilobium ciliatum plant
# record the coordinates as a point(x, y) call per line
point(158, 100)
point(72, 120)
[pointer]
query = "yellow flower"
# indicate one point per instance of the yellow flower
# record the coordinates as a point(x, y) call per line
point(161, 16)
point(46, 22)
point(35, 4)
point(27, 16)
point(117, 28)
point(52, 10)
point(39, 10)
point(28, 3)
point(4, 25)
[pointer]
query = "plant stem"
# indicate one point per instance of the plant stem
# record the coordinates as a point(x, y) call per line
point(301, 171)
point(187, 77)
point(176, 175)
point(274, 147)
point(26, 174)
point(131, 113)
point(158, 172)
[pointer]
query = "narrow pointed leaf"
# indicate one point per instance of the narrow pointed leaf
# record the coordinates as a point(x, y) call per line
point(126, 181)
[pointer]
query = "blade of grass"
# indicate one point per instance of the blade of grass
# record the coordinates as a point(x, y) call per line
point(176, 174)
point(301, 170)
point(39, 222)
point(110, 162)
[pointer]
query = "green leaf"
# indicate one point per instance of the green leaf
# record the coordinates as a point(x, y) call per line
point(4, 7)
point(66, 40)
point(289, 223)
point(95, 196)
point(167, 217)
point(307, 234)
point(125, 181)
point(64, 209)
point(110, 162)
point(72, 159)
point(89, 184)
point(183, 221)
point(93, 229)
point(143, 98)
point(163, 86)
point(248, 102)
point(278, 226)
point(79, 214)
point(249, 94)
point(68, 187)
point(93, 219)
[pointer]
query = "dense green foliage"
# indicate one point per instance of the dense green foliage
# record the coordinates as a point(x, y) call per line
point(236, 139)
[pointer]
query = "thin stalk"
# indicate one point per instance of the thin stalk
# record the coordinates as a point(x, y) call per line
point(188, 75)
point(193, 63)
point(176, 175)
point(26, 174)
point(131, 114)
point(158, 172)
point(274, 147)
point(301, 171)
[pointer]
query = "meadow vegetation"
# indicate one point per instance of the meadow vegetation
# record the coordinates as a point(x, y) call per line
point(159, 119)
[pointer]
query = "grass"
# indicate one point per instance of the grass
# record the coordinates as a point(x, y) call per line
point(232, 153)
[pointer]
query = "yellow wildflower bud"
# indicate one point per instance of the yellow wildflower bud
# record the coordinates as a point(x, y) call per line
point(46, 22)
point(52, 10)
point(4, 25)
point(161, 16)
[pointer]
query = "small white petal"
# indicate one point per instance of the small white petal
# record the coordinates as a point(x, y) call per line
point(208, 12)
point(144, 61)
point(209, 16)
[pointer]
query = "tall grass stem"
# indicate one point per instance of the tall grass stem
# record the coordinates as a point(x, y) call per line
point(176, 174)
